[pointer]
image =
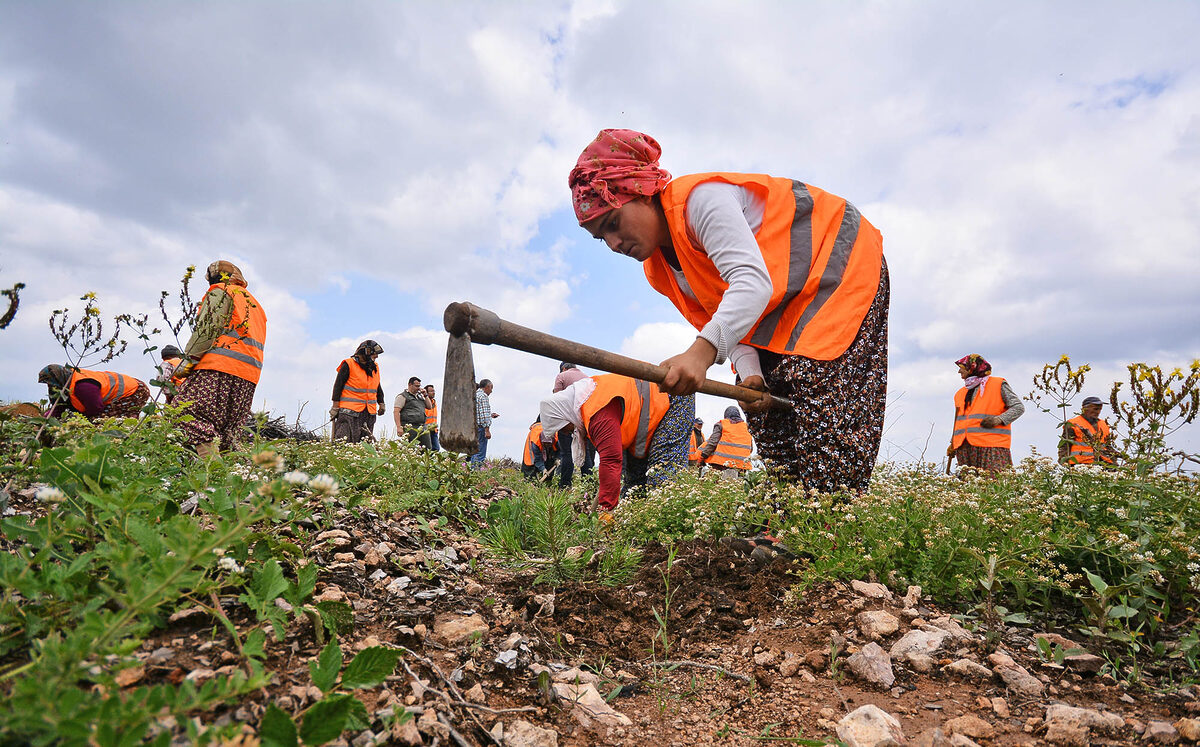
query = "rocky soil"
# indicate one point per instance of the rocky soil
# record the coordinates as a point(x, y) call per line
point(496, 660)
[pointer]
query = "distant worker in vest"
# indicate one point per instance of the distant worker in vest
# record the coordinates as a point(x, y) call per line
point(409, 413)
point(172, 357)
point(695, 441)
point(484, 415)
point(357, 394)
point(729, 445)
point(533, 456)
point(785, 280)
point(222, 362)
point(571, 450)
point(984, 410)
point(629, 421)
point(431, 417)
point(92, 394)
point(1087, 436)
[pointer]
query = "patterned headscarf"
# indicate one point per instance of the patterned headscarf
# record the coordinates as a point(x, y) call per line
point(976, 365)
point(223, 268)
point(615, 168)
point(55, 375)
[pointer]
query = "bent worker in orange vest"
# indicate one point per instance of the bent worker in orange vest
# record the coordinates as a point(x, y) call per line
point(93, 394)
point(628, 420)
point(357, 394)
point(1086, 436)
point(535, 460)
point(223, 361)
point(782, 278)
point(984, 410)
point(172, 357)
point(729, 445)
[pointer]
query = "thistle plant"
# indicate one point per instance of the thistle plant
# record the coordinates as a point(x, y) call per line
point(1056, 386)
point(1155, 406)
point(14, 300)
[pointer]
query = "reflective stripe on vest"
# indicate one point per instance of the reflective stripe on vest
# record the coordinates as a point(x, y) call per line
point(733, 450)
point(1086, 438)
point(113, 386)
point(361, 391)
point(968, 421)
point(694, 443)
point(644, 409)
point(823, 257)
point(532, 441)
point(238, 349)
point(431, 417)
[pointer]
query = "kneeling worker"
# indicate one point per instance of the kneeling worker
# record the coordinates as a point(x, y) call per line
point(627, 420)
point(93, 394)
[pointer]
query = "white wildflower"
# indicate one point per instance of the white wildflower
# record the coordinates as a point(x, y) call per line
point(295, 477)
point(50, 494)
point(324, 484)
point(229, 564)
point(219, 552)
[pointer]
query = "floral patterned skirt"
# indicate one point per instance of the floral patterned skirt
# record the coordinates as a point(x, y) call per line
point(668, 448)
point(988, 458)
point(831, 439)
point(220, 405)
point(129, 406)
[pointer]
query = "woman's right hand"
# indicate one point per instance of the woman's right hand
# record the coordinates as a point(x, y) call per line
point(759, 405)
point(950, 450)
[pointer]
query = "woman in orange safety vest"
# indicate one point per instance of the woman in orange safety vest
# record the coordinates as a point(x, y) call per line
point(223, 360)
point(729, 445)
point(784, 279)
point(984, 410)
point(93, 394)
point(629, 421)
point(357, 394)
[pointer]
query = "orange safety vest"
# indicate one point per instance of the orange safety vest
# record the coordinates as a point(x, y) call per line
point(694, 443)
point(967, 420)
point(533, 441)
point(823, 257)
point(361, 391)
point(1084, 440)
point(238, 350)
point(733, 450)
point(113, 386)
point(174, 362)
point(431, 417)
point(645, 407)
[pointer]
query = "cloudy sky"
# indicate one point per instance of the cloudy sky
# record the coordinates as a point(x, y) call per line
point(1034, 169)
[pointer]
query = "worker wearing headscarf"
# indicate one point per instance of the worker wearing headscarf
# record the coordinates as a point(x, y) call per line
point(223, 361)
point(172, 358)
point(631, 422)
point(729, 445)
point(357, 394)
point(782, 278)
point(93, 394)
point(571, 450)
point(984, 410)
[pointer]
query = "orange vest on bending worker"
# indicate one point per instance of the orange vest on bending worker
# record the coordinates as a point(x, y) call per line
point(238, 350)
point(361, 391)
point(823, 257)
point(695, 441)
point(431, 418)
point(532, 441)
point(733, 450)
point(113, 386)
point(645, 407)
point(1085, 439)
point(968, 421)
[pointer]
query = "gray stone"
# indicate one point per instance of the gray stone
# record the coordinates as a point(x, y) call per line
point(452, 630)
point(877, 624)
point(923, 642)
point(971, 725)
point(869, 726)
point(1189, 729)
point(873, 665)
point(871, 591)
point(521, 733)
point(1070, 719)
point(1086, 663)
point(951, 626)
point(1161, 732)
point(968, 669)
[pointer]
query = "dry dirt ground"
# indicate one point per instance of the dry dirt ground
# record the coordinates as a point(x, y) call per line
point(496, 660)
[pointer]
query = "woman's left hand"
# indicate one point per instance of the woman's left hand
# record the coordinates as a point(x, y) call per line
point(685, 372)
point(991, 421)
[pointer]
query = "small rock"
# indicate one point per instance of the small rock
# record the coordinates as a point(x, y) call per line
point(1068, 725)
point(1000, 707)
point(930, 738)
point(330, 593)
point(343, 557)
point(877, 624)
point(200, 675)
point(1086, 663)
point(377, 575)
point(960, 740)
point(868, 726)
point(817, 659)
point(521, 733)
point(1188, 728)
point(364, 739)
point(1015, 676)
point(951, 626)
point(872, 664)
point(972, 726)
point(575, 674)
point(453, 630)
point(1054, 639)
point(130, 676)
point(921, 663)
point(473, 589)
point(161, 655)
point(399, 584)
point(766, 658)
point(1161, 732)
point(926, 642)
point(475, 694)
point(588, 700)
point(968, 669)
point(507, 659)
point(790, 665)
point(912, 597)
point(871, 591)
point(542, 605)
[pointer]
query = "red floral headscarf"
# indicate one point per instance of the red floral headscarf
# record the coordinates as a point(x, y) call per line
point(615, 168)
point(976, 365)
